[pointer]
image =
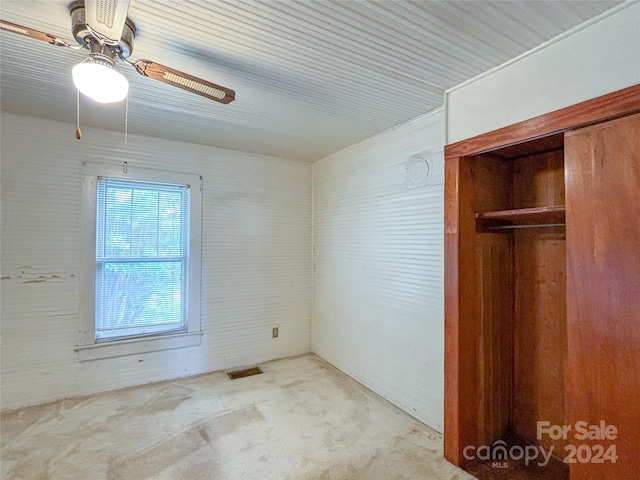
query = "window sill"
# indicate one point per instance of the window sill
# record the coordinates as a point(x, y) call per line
point(132, 346)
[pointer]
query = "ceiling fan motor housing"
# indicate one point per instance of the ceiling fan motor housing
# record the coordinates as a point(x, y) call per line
point(81, 32)
point(102, 54)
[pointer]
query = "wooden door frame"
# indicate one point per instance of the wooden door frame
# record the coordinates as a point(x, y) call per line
point(461, 356)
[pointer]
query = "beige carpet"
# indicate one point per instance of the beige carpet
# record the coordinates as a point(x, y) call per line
point(301, 419)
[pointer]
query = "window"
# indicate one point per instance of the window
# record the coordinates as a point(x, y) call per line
point(142, 248)
point(141, 261)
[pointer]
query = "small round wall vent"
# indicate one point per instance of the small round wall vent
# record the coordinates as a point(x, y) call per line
point(419, 172)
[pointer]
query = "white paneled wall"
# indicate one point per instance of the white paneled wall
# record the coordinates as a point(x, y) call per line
point(256, 259)
point(378, 302)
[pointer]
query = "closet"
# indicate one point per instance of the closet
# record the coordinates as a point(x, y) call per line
point(542, 293)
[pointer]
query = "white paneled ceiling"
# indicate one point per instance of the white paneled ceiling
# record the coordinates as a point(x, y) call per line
point(311, 77)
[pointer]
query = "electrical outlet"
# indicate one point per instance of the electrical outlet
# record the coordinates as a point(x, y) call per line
point(274, 332)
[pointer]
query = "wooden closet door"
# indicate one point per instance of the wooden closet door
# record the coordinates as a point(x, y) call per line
point(602, 165)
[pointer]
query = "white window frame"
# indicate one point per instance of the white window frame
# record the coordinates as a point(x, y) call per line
point(88, 348)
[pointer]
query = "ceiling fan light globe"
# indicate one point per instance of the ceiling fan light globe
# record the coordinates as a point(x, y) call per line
point(99, 82)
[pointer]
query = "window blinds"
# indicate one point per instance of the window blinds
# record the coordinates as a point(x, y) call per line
point(142, 248)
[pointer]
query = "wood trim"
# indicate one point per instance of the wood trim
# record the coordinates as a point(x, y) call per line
point(452, 451)
point(606, 107)
point(460, 347)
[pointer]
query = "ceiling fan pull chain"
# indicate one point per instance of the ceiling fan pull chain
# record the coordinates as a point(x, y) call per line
point(126, 132)
point(78, 131)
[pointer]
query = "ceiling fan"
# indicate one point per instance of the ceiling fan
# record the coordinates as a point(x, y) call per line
point(102, 27)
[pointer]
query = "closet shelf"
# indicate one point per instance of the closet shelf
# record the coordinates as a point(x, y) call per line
point(522, 217)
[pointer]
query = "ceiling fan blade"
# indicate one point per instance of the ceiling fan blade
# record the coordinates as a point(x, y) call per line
point(30, 32)
point(186, 82)
point(106, 18)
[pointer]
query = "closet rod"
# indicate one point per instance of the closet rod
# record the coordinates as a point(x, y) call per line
point(540, 225)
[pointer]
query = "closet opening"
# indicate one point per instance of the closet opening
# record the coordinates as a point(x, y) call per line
point(518, 201)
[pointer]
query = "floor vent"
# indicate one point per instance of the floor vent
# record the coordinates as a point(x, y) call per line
point(247, 372)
